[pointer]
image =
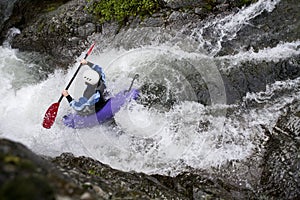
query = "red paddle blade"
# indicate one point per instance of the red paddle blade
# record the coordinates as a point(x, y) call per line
point(50, 115)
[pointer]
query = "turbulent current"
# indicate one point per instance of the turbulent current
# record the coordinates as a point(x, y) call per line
point(170, 129)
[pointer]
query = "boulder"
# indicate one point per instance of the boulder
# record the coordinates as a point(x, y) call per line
point(280, 176)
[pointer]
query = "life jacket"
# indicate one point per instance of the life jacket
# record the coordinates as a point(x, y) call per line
point(94, 96)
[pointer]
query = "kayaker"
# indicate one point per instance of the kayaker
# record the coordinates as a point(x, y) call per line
point(94, 96)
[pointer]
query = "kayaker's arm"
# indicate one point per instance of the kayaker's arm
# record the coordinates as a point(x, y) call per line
point(90, 64)
point(85, 62)
point(67, 95)
point(69, 98)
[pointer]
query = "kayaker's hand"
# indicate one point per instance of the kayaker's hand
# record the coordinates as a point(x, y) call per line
point(84, 62)
point(65, 93)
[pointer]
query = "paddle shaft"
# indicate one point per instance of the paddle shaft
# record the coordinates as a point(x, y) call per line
point(72, 79)
point(136, 76)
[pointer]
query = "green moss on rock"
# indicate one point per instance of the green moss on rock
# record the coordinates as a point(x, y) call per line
point(121, 10)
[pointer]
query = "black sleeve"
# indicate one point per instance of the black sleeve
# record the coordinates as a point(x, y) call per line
point(69, 98)
point(90, 64)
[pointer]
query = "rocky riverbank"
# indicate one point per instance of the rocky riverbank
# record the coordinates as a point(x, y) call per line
point(61, 28)
point(29, 176)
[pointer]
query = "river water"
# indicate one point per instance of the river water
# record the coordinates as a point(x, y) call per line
point(159, 138)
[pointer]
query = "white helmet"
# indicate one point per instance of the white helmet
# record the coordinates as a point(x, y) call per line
point(91, 77)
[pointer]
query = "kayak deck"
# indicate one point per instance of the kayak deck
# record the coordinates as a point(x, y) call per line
point(112, 106)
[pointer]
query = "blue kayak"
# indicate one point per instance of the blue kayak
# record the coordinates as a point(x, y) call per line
point(112, 106)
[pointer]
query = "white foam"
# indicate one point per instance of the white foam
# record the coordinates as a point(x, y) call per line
point(275, 54)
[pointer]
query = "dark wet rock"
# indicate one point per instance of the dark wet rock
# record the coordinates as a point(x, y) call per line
point(246, 77)
point(25, 175)
point(21, 173)
point(6, 8)
point(58, 28)
point(204, 185)
point(111, 183)
point(281, 177)
point(253, 77)
point(21, 13)
point(267, 30)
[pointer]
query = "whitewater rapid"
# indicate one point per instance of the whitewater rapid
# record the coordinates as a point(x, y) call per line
point(143, 139)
